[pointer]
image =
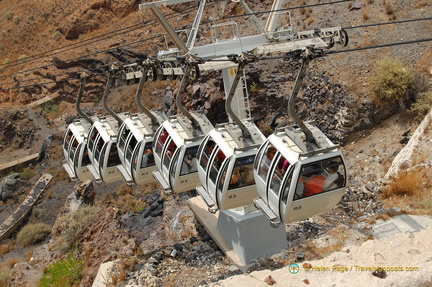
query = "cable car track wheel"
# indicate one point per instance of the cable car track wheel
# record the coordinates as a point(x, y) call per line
point(160, 73)
point(344, 39)
point(194, 72)
point(152, 74)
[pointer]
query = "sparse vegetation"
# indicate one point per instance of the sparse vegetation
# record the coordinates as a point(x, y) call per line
point(66, 272)
point(9, 15)
point(391, 81)
point(32, 234)
point(5, 63)
point(6, 247)
point(52, 109)
point(28, 173)
point(16, 19)
point(12, 261)
point(22, 59)
point(75, 224)
point(407, 183)
point(125, 201)
point(254, 88)
point(422, 106)
point(56, 36)
point(389, 10)
point(365, 14)
point(4, 274)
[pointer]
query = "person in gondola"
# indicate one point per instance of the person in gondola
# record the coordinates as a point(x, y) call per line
point(330, 181)
point(266, 161)
point(314, 184)
point(247, 176)
point(146, 154)
point(235, 178)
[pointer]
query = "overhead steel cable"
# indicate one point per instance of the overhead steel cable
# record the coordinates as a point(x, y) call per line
point(262, 58)
point(381, 46)
point(387, 23)
point(86, 42)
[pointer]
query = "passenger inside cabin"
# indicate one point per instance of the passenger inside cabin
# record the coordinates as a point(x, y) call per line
point(313, 179)
point(247, 177)
point(146, 154)
point(331, 179)
point(266, 161)
point(235, 178)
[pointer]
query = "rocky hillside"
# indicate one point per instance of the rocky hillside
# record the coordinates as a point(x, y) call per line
point(140, 227)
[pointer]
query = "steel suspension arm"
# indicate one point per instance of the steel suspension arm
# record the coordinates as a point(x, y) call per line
point(291, 101)
point(105, 96)
point(138, 96)
point(78, 100)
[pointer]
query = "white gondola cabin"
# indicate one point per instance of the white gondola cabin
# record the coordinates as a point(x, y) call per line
point(75, 141)
point(75, 150)
point(294, 184)
point(225, 166)
point(227, 154)
point(102, 149)
point(175, 149)
point(134, 144)
point(135, 138)
point(176, 142)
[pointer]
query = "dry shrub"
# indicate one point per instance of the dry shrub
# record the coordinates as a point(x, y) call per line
point(421, 4)
point(389, 10)
point(127, 202)
point(4, 274)
point(421, 107)
point(391, 81)
point(338, 234)
point(6, 247)
point(28, 254)
point(12, 261)
point(424, 204)
point(76, 223)
point(365, 15)
point(32, 234)
point(407, 183)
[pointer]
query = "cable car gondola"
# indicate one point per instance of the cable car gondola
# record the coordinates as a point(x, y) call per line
point(102, 143)
point(175, 146)
point(135, 139)
point(299, 172)
point(75, 143)
point(226, 157)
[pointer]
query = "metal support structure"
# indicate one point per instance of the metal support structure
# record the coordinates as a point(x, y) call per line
point(274, 17)
point(195, 25)
point(78, 101)
point(173, 35)
point(251, 15)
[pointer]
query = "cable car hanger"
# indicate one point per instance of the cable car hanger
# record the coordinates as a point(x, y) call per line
point(313, 143)
point(74, 141)
point(299, 172)
point(102, 140)
point(135, 138)
point(227, 153)
point(105, 96)
point(147, 66)
point(177, 140)
point(83, 81)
